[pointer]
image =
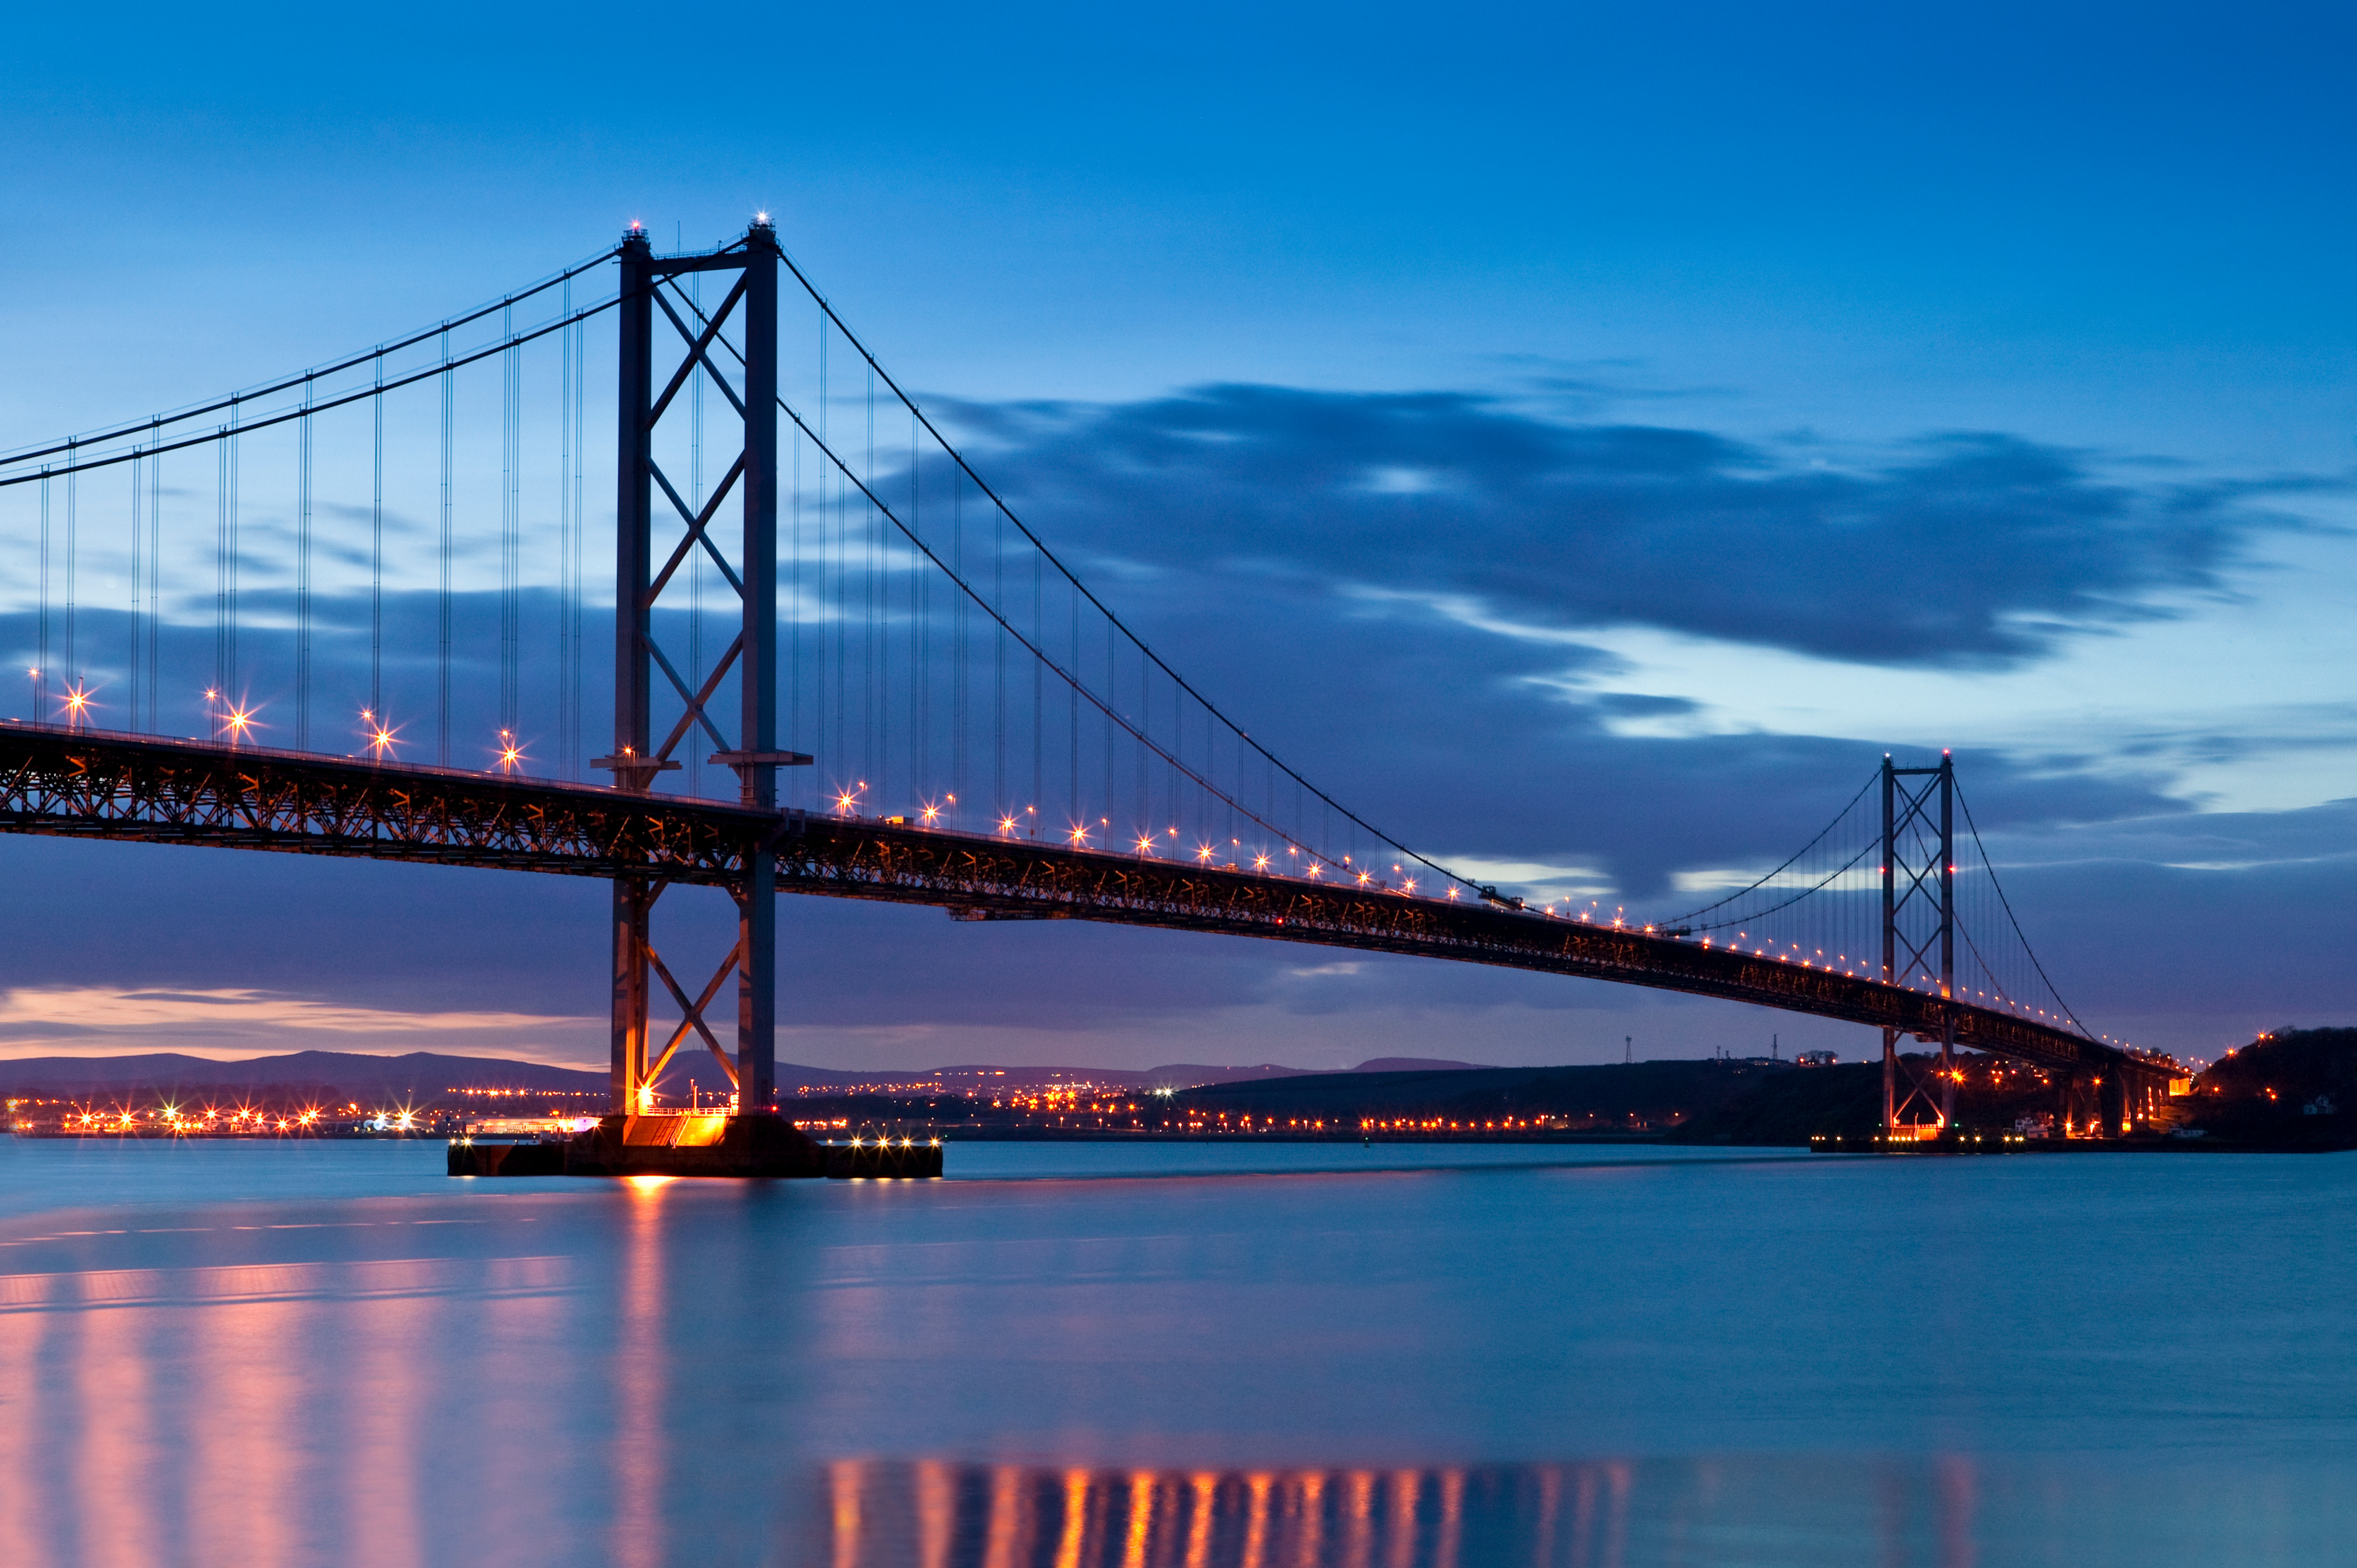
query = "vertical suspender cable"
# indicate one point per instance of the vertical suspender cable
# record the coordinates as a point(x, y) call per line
point(303, 578)
point(155, 580)
point(823, 661)
point(41, 660)
point(835, 552)
point(220, 567)
point(73, 649)
point(131, 719)
point(442, 699)
point(1235, 795)
point(851, 764)
point(511, 531)
point(580, 524)
point(999, 678)
point(231, 685)
point(1039, 693)
point(876, 763)
point(564, 767)
point(1113, 695)
point(1078, 812)
point(376, 556)
point(958, 610)
point(919, 668)
point(1173, 772)
point(794, 629)
point(696, 557)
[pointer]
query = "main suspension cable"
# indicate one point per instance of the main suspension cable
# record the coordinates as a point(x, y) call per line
point(1988, 865)
point(1796, 855)
point(291, 384)
point(1079, 688)
point(427, 374)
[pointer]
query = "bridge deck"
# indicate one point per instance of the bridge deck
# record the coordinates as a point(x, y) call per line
point(65, 783)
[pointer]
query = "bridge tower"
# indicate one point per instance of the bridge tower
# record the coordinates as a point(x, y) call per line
point(650, 297)
point(1919, 917)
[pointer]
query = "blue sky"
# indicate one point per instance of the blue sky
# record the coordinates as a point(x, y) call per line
point(1747, 393)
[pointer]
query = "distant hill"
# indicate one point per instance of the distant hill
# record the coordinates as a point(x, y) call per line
point(1701, 1101)
point(2295, 1089)
point(2294, 1064)
point(419, 1074)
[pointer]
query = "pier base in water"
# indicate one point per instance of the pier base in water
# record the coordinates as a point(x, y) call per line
point(716, 1146)
point(692, 1145)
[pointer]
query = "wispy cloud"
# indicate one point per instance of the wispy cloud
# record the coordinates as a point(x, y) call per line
point(93, 1020)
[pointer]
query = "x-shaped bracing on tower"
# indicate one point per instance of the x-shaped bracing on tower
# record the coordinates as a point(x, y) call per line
point(1918, 885)
point(750, 306)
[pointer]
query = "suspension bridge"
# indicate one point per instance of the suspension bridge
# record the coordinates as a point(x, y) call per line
point(843, 666)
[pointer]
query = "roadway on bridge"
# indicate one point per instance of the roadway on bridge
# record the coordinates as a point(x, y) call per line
point(79, 783)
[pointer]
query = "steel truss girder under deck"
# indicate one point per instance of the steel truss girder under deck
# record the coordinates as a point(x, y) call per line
point(101, 785)
point(66, 784)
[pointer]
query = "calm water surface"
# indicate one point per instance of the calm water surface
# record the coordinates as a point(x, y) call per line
point(1090, 1354)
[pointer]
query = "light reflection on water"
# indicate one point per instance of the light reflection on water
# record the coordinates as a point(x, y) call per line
point(936, 1514)
point(1592, 1360)
point(1818, 1512)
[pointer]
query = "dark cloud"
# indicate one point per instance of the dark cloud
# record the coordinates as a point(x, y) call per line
point(1965, 550)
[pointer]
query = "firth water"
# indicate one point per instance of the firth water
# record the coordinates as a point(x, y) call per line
point(1083, 1354)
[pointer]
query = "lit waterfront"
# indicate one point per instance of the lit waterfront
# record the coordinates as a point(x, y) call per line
point(1167, 1354)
